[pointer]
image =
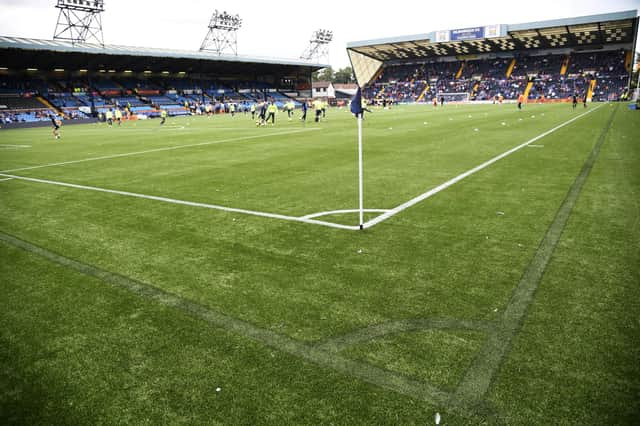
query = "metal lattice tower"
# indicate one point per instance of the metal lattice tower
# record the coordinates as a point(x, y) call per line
point(79, 21)
point(223, 33)
point(318, 46)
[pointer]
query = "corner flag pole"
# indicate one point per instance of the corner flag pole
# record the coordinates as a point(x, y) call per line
point(357, 110)
point(360, 186)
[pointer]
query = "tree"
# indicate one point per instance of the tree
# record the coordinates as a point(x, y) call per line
point(344, 75)
point(325, 74)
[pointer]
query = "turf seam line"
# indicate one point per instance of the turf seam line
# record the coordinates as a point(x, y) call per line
point(394, 211)
point(182, 202)
point(149, 151)
point(350, 368)
point(483, 371)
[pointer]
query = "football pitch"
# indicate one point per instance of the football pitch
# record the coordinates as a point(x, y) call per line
point(209, 271)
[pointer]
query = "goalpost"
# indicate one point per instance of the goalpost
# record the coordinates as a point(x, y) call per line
point(462, 97)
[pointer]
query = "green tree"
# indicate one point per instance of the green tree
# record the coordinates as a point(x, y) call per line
point(344, 75)
point(325, 74)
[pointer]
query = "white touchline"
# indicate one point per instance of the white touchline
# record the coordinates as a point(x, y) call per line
point(394, 211)
point(8, 145)
point(2, 180)
point(185, 203)
point(148, 151)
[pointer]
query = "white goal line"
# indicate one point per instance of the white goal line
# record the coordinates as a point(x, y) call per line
point(183, 202)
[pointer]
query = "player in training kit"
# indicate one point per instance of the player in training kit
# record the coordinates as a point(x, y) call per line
point(272, 109)
point(289, 106)
point(317, 105)
point(118, 115)
point(109, 117)
point(253, 111)
point(262, 116)
point(163, 116)
point(520, 100)
point(56, 127)
point(304, 110)
point(575, 101)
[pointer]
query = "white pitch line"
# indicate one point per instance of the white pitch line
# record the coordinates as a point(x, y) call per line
point(148, 151)
point(394, 211)
point(5, 179)
point(314, 215)
point(8, 145)
point(185, 203)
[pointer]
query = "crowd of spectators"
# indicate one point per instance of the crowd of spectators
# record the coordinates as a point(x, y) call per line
point(8, 117)
point(486, 79)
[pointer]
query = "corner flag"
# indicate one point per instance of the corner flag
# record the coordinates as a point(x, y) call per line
point(356, 103)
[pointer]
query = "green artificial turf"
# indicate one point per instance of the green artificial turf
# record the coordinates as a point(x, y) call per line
point(127, 310)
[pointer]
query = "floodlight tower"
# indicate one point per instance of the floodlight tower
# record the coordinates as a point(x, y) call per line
point(79, 21)
point(223, 33)
point(318, 46)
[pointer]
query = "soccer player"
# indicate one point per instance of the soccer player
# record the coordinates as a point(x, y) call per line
point(118, 115)
point(263, 113)
point(163, 116)
point(575, 101)
point(232, 109)
point(289, 106)
point(253, 111)
point(109, 117)
point(441, 101)
point(317, 105)
point(324, 108)
point(584, 100)
point(520, 100)
point(434, 101)
point(304, 110)
point(272, 109)
point(56, 126)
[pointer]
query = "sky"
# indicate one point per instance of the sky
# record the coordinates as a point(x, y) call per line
point(282, 29)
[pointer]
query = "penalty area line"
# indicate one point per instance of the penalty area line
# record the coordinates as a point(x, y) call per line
point(183, 202)
point(394, 211)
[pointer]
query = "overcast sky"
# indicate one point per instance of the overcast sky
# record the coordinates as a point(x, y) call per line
point(282, 28)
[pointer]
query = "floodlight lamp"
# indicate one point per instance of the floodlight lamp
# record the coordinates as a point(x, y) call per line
point(87, 5)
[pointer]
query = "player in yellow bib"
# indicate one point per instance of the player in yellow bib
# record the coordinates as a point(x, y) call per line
point(272, 109)
point(118, 115)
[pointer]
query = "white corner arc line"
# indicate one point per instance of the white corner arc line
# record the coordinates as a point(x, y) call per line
point(394, 211)
point(183, 202)
point(148, 151)
point(320, 214)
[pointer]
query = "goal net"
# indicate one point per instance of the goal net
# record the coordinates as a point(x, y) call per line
point(453, 97)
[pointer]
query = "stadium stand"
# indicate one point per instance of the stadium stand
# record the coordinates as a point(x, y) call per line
point(552, 60)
